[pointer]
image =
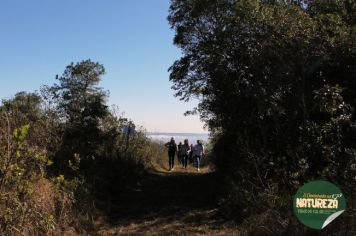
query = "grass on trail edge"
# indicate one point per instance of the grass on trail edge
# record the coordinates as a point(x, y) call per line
point(178, 202)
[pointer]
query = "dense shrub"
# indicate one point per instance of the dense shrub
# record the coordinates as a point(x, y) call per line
point(62, 151)
point(276, 86)
point(21, 165)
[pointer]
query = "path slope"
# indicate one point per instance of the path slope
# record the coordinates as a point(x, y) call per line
point(169, 203)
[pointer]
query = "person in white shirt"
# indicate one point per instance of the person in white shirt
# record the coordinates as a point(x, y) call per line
point(198, 153)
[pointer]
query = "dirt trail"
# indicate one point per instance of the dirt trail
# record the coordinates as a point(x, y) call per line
point(169, 203)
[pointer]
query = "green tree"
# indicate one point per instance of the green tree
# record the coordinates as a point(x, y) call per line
point(81, 105)
point(26, 109)
point(275, 83)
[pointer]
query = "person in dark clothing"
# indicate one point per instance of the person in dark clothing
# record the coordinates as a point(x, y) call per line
point(185, 151)
point(191, 160)
point(172, 150)
point(179, 153)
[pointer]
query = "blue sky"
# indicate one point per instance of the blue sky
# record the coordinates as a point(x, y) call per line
point(131, 38)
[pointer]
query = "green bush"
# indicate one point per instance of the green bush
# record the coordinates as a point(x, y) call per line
point(274, 79)
point(20, 166)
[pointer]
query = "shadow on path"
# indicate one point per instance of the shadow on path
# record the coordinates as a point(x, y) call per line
point(168, 203)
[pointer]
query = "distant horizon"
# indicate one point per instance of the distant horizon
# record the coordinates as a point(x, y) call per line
point(179, 137)
point(167, 132)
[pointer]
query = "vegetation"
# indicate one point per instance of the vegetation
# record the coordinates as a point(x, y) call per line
point(63, 151)
point(276, 86)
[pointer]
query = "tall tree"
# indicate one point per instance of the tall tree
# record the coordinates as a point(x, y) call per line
point(81, 104)
point(275, 80)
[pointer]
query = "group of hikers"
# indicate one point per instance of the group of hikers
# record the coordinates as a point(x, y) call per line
point(185, 153)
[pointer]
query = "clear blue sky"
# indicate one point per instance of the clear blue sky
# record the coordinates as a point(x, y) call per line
point(131, 38)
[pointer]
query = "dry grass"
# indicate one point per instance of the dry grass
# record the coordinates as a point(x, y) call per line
point(179, 222)
point(178, 202)
point(44, 196)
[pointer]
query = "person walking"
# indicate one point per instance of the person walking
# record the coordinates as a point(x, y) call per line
point(179, 153)
point(185, 151)
point(199, 152)
point(191, 160)
point(172, 150)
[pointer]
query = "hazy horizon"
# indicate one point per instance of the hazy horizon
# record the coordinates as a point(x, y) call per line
point(168, 132)
point(179, 137)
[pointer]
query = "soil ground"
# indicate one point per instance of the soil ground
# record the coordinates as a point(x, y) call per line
point(178, 202)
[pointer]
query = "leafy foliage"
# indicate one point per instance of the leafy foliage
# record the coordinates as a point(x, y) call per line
point(80, 105)
point(20, 166)
point(276, 85)
point(62, 151)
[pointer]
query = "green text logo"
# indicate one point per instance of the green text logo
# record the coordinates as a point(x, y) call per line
point(318, 203)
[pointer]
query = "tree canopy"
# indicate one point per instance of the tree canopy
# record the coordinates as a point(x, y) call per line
point(276, 83)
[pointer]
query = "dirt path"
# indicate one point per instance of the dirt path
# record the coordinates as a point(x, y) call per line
point(169, 203)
